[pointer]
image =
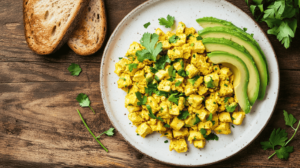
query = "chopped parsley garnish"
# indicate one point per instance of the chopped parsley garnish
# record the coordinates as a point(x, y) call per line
point(123, 79)
point(210, 83)
point(152, 49)
point(232, 126)
point(161, 62)
point(211, 136)
point(226, 85)
point(192, 44)
point(131, 66)
point(178, 83)
point(156, 78)
point(226, 99)
point(182, 72)
point(84, 101)
point(167, 126)
point(166, 141)
point(210, 117)
point(120, 58)
point(199, 38)
point(174, 39)
point(174, 98)
point(146, 25)
point(197, 120)
point(167, 22)
point(142, 100)
point(153, 70)
point(232, 118)
point(183, 115)
point(193, 80)
point(151, 88)
point(230, 108)
point(109, 132)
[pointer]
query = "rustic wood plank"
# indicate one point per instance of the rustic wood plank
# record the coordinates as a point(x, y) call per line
point(39, 125)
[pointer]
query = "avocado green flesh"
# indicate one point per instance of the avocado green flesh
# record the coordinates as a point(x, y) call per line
point(214, 44)
point(241, 75)
point(214, 22)
point(227, 33)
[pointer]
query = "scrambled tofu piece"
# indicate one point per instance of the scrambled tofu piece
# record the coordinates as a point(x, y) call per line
point(177, 124)
point(121, 66)
point(211, 80)
point(189, 31)
point(202, 113)
point(183, 132)
point(238, 117)
point(180, 28)
point(161, 74)
point(206, 125)
point(211, 105)
point(223, 128)
point(174, 110)
point(191, 70)
point(132, 109)
point(199, 144)
point(195, 101)
point(179, 145)
point(165, 86)
point(143, 130)
point(158, 127)
point(167, 133)
point(131, 99)
point(195, 135)
point(175, 53)
point(225, 117)
point(135, 118)
point(124, 81)
point(135, 46)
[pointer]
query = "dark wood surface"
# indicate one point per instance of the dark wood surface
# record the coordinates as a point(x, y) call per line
point(39, 125)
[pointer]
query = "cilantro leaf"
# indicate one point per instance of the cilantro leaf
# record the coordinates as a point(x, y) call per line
point(174, 98)
point(146, 25)
point(161, 93)
point(151, 88)
point(161, 62)
point(199, 38)
point(153, 70)
point(203, 132)
point(74, 69)
point(167, 125)
point(167, 22)
point(210, 117)
point(142, 100)
point(151, 115)
point(173, 39)
point(212, 136)
point(123, 79)
point(230, 108)
point(183, 115)
point(289, 119)
point(152, 49)
point(226, 99)
point(160, 119)
point(109, 132)
point(284, 152)
point(131, 66)
point(84, 101)
point(178, 83)
point(182, 72)
point(166, 141)
point(193, 80)
point(197, 120)
point(278, 137)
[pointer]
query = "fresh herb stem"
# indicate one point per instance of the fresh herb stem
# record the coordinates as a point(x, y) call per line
point(92, 109)
point(91, 131)
point(288, 140)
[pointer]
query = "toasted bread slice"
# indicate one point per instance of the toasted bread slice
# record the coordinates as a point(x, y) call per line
point(89, 35)
point(49, 24)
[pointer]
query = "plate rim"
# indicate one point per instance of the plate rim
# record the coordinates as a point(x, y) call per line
point(149, 2)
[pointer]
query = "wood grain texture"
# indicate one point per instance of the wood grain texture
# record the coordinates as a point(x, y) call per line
point(39, 126)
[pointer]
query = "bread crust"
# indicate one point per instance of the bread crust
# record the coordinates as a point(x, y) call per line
point(33, 41)
point(80, 34)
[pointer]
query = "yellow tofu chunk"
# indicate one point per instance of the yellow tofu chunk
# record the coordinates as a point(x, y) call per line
point(199, 144)
point(225, 73)
point(202, 113)
point(177, 66)
point(161, 74)
point(174, 110)
point(164, 110)
point(183, 132)
point(166, 44)
point(195, 135)
point(187, 49)
point(223, 128)
point(143, 130)
point(226, 88)
point(180, 28)
point(191, 70)
point(121, 66)
point(189, 31)
point(177, 124)
point(198, 47)
point(179, 145)
point(153, 104)
point(175, 53)
point(158, 127)
point(164, 85)
point(238, 117)
point(202, 90)
point(181, 102)
point(211, 105)
point(139, 76)
point(225, 117)
point(167, 134)
point(195, 101)
point(132, 109)
point(189, 89)
point(215, 121)
point(130, 99)
point(124, 81)
point(145, 115)
point(135, 46)
point(181, 40)
point(159, 32)
point(211, 79)
point(135, 118)
point(206, 125)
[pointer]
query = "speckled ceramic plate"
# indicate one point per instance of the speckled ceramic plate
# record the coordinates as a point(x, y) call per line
point(131, 29)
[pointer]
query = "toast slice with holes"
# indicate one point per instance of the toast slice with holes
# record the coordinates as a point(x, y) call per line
point(89, 35)
point(49, 24)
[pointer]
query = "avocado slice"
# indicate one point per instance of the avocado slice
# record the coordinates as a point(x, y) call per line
point(221, 44)
point(241, 75)
point(238, 37)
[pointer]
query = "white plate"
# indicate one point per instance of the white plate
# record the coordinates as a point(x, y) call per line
point(131, 29)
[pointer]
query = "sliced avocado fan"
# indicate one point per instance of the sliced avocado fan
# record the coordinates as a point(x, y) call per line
point(241, 75)
point(214, 22)
point(238, 37)
point(221, 44)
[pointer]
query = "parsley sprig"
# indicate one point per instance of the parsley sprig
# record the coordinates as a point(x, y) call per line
point(152, 49)
point(167, 22)
point(278, 138)
point(84, 101)
point(74, 69)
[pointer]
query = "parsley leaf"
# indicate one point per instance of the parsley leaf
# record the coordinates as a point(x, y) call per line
point(289, 119)
point(278, 137)
point(193, 80)
point(174, 98)
point(123, 79)
point(167, 22)
point(109, 132)
point(151, 115)
point(230, 108)
point(131, 66)
point(284, 152)
point(142, 100)
point(211, 136)
point(183, 115)
point(197, 120)
point(161, 93)
point(210, 117)
point(74, 69)
point(151, 88)
point(167, 125)
point(84, 101)
point(152, 49)
point(199, 38)
point(146, 25)
point(161, 62)
point(178, 83)
point(166, 141)
point(174, 39)
point(182, 72)
point(226, 99)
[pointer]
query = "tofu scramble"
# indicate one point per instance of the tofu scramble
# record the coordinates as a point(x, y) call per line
point(180, 94)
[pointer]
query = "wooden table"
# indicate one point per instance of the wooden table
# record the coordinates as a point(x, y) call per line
point(39, 125)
